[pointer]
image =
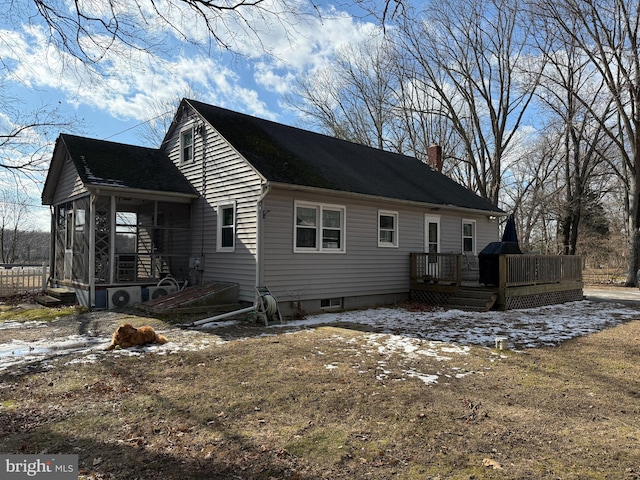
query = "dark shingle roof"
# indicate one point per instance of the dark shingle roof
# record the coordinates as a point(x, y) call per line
point(293, 156)
point(103, 163)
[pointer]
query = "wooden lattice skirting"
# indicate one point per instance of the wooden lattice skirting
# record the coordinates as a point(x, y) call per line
point(430, 297)
point(542, 299)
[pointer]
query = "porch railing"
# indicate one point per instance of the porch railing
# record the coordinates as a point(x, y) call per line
point(514, 270)
point(16, 279)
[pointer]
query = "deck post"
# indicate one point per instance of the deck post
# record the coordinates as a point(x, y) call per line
point(412, 270)
point(503, 272)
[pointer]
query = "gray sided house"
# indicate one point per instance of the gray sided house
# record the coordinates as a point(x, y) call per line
point(322, 222)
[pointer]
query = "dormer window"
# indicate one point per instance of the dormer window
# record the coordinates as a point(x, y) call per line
point(186, 145)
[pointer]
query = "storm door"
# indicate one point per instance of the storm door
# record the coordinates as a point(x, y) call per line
point(432, 243)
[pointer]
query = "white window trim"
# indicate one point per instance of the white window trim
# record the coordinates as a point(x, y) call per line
point(319, 209)
point(193, 149)
point(473, 237)
point(395, 215)
point(220, 208)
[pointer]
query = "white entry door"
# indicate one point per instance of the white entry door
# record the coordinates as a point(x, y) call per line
point(432, 243)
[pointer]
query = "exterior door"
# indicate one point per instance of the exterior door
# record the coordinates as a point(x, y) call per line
point(68, 245)
point(432, 243)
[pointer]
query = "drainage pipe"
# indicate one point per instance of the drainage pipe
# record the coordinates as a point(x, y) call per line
point(219, 317)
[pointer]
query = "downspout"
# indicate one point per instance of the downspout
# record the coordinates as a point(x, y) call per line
point(260, 216)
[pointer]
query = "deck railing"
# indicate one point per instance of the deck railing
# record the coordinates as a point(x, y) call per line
point(514, 270)
point(20, 279)
point(436, 268)
point(518, 270)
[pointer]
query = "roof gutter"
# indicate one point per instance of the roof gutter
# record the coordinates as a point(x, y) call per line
point(434, 207)
point(140, 193)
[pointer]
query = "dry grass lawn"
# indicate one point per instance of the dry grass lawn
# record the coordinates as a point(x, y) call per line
point(314, 405)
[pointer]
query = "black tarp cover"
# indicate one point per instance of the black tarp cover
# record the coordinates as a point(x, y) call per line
point(488, 260)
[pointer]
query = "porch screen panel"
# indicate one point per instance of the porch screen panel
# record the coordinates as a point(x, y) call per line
point(60, 236)
point(163, 240)
point(81, 240)
point(173, 238)
point(126, 244)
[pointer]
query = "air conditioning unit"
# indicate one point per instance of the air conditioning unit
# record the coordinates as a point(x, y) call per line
point(161, 291)
point(120, 297)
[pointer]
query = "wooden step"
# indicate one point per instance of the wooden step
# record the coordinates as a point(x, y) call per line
point(474, 300)
point(65, 295)
point(48, 301)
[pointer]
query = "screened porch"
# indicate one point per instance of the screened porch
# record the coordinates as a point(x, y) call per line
point(136, 241)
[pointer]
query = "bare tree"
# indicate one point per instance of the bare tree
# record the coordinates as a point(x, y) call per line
point(13, 209)
point(24, 134)
point(367, 96)
point(607, 32)
point(88, 30)
point(161, 113)
point(532, 190)
point(474, 55)
point(581, 137)
point(354, 98)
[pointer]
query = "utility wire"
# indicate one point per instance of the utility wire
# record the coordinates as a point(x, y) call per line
point(138, 125)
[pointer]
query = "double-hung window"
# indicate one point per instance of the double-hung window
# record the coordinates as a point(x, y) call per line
point(469, 236)
point(387, 229)
point(226, 227)
point(319, 228)
point(186, 145)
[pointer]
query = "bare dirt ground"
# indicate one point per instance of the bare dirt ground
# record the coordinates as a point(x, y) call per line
point(323, 402)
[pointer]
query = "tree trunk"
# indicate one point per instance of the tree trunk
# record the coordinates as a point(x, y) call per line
point(634, 225)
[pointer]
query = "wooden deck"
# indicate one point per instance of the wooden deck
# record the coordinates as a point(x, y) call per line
point(513, 281)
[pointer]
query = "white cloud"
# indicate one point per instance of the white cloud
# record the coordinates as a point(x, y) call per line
point(272, 44)
point(279, 37)
point(313, 49)
point(124, 87)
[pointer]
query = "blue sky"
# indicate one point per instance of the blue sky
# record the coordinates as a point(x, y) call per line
point(112, 98)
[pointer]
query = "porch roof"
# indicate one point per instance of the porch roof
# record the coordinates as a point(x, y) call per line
point(294, 156)
point(112, 165)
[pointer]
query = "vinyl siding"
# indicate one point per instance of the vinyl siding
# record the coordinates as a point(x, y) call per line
point(365, 268)
point(69, 184)
point(451, 231)
point(223, 178)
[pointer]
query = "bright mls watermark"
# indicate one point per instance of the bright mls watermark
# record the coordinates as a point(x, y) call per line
point(50, 467)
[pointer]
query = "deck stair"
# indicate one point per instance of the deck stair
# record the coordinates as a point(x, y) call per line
point(473, 299)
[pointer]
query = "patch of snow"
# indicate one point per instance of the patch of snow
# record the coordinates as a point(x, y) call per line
point(19, 353)
point(528, 328)
point(428, 379)
point(418, 337)
point(22, 325)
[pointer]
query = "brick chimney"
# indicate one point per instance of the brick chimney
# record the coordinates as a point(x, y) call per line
point(434, 157)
